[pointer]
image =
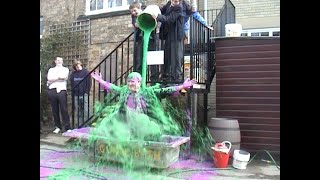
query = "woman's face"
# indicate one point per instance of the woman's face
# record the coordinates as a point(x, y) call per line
point(78, 67)
point(134, 84)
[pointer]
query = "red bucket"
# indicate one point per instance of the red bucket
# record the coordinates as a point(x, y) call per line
point(221, 154)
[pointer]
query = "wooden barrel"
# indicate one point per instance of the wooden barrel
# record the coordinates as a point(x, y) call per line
point(225, 129)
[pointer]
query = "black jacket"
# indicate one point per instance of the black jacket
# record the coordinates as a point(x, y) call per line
point(171, 22)
point(84, 86)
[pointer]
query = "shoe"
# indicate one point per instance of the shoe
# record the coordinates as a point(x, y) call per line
point(183, 91)
point(57, 130)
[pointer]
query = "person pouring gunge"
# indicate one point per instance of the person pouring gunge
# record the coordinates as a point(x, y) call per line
point(172, 32)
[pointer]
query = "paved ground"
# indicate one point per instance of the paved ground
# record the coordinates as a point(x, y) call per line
point(59, 161)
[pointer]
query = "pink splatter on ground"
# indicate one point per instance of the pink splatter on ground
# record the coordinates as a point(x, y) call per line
point(204, 169)
point(45, 172)
point(48, 167)
point(83, 130)
point(53, 165)
point(206, 175)
point(78, 133)
point(58, 155)
point(191, 163)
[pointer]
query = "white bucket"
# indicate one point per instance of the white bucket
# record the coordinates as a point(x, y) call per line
point(152, 10)
point(233, 30)
point(240, 159)
point(145, 18)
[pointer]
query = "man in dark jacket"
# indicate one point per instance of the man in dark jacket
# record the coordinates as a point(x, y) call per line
point(172, 32)
point(80, 91)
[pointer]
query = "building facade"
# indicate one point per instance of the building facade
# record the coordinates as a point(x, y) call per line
point(109, 22)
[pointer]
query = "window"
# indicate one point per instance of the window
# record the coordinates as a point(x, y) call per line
point(261, 32)
point(244, 34)
point(276, 33)
point(96, 5)
point(264, 33)
point(103, 6)
point(254, 34)
point(41, 26)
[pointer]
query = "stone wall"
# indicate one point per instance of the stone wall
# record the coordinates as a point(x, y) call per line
point(60, 11)
point(251, 13)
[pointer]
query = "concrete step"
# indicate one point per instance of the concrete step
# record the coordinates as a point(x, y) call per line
point(54, 139)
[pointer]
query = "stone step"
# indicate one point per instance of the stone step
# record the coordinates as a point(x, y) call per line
point(54, 139)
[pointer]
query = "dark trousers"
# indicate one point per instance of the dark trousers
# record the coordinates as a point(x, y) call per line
point(58, 103)
point(41, 112)
point(137, 62)
point(173, 57)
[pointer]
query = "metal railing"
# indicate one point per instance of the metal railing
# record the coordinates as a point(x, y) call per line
point(218, 18)
point(114, 68)
point(201, 51)
point(226, 15)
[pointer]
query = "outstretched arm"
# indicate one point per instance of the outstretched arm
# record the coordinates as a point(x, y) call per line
point(198, 17)
point(186, 85)
point(106, 85)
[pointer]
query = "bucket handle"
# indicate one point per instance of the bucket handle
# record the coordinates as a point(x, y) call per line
point(228, 142)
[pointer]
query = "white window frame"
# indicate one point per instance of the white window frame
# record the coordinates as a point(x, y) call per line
point(270, 30)
point(105, 8)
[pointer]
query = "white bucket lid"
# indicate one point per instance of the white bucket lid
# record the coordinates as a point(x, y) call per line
point(241, 155)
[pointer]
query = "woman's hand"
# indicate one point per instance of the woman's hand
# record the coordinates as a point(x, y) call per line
point(188, 83)
point(96, 76)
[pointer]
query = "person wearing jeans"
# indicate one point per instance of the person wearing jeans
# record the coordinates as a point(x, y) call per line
point(80, 90)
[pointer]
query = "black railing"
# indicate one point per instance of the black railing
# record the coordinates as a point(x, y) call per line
point(114, 68)
point(200, 52)
point(202, 65)
point(218, 18)
point(225, 16)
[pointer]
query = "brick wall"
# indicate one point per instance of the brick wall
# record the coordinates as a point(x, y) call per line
point(106, 34)
point(60, 11)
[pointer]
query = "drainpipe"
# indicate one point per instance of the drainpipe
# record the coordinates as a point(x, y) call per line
point(193, 2)
point(205, 8)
